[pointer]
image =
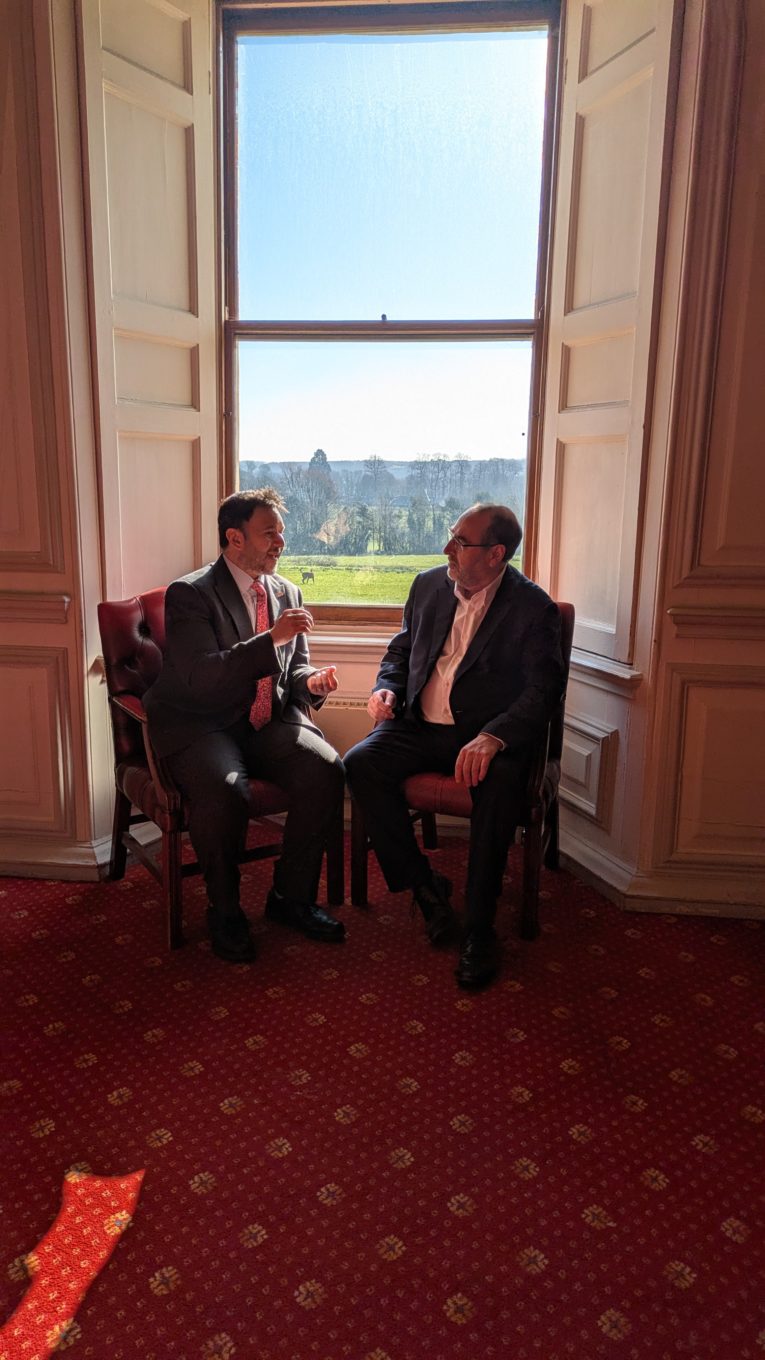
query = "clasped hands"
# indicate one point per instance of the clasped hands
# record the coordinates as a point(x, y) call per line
point(291, 622)
point(473, 760)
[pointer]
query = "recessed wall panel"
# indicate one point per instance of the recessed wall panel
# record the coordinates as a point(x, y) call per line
point(722, 779)
point(19, 510)
point(598, 373)
point(609, 197)
point(612, 26)
point(148, 165)
point(30, 513)
point(587, 767)
point(589, 528)
point(155, 371)
point(158, 498)
point(733, 526)
point(150, 36)
point(19, 520)
point(35, 773)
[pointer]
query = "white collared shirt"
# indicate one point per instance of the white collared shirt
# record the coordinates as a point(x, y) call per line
point(244, 583)
point(469, 615)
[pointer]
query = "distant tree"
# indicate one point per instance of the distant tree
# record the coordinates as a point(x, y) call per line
point(320, 493)
point(390, 534)
point(319, 461)
point(374, 467)
point(296, 489)
point(358, 530)
point(418, 474)
point(348, 482)
point(335, 529)
point(253, 474)
point(417, 525)
point(458, 475)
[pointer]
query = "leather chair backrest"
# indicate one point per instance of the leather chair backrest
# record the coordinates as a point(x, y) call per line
point(555, 748)
point(132, 641)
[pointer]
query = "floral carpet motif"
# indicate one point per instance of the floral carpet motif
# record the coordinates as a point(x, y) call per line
point(348, 1158)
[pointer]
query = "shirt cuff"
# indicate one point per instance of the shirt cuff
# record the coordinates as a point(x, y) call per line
point(491, 736)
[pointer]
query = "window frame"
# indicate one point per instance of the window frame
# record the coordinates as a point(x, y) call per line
point(249, 17)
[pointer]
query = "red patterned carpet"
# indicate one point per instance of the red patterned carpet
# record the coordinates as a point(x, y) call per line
point(347, 1157)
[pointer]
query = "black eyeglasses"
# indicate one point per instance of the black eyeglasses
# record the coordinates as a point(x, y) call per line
point(461, 543)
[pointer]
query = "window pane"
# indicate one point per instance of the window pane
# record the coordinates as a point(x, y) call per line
point(395, 174)
point(377, 448)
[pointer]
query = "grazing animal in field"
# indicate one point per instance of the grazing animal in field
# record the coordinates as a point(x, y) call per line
point(305, 576)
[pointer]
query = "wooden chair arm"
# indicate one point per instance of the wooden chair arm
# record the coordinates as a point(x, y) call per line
point(130, 704)
point(163, 782)
point(537, 771)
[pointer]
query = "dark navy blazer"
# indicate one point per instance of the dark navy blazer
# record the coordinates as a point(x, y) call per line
point(212, 660)
point(511, 678)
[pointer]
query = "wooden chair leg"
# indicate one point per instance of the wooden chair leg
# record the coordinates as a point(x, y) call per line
point(120, 825)
point(429, 831)
point(335, 862)
point(552, 820)
point(172, 887)
point(532, 864)
point(359, 851)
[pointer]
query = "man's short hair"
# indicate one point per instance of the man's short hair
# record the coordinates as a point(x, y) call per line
point(503, 527)
point(236, 510)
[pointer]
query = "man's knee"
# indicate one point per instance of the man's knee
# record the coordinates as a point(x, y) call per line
point(353, 760)
point(361, 763)
point(229, 799)
point(313, 769)
point(503, 789)
point(333, 779)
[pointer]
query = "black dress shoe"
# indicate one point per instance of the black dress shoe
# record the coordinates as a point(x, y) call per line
point(230, 937)
point(433, 899)
point(479, 960)
point(309, 919)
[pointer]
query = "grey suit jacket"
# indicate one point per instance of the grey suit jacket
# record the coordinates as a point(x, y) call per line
point(212, 660)
point(511, 678)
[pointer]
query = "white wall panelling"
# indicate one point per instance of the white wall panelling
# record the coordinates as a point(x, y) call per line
point(36, 781)
point(588, 767)
point(148, 113)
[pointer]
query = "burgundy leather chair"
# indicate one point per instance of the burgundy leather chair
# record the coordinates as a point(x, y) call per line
point(132, 640)
point(430, 793)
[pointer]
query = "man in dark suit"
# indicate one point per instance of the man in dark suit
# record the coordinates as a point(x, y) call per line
point(466, 687)
point(232, 701)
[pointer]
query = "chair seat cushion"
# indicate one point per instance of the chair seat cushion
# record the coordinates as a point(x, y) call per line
point(432, 792)
point(136, 783)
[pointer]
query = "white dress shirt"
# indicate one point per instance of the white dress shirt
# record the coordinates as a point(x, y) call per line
point(469, 615)
point(244, 584)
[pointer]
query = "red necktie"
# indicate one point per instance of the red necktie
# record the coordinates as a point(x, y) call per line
point(260, 713)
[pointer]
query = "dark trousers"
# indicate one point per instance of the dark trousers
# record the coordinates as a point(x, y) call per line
point(213, 775)
point(400, 747)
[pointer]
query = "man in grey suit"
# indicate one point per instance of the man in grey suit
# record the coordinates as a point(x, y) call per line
point(231, 702)
point(466, 687)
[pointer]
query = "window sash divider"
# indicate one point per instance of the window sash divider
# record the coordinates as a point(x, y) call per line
point(525, 329)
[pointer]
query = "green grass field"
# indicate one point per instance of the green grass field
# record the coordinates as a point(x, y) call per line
point(357, 580)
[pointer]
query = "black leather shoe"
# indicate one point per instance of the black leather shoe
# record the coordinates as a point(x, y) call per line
point(479, 959)
point(310, 920)
point(433, 899)
point(230, 937)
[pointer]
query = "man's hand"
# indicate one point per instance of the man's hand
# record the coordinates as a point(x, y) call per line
point(323, 682)
point(289, 624)
point(474, 759)
point(381, 705)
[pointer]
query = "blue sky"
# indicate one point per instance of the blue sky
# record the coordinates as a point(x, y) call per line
point(387, 174)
